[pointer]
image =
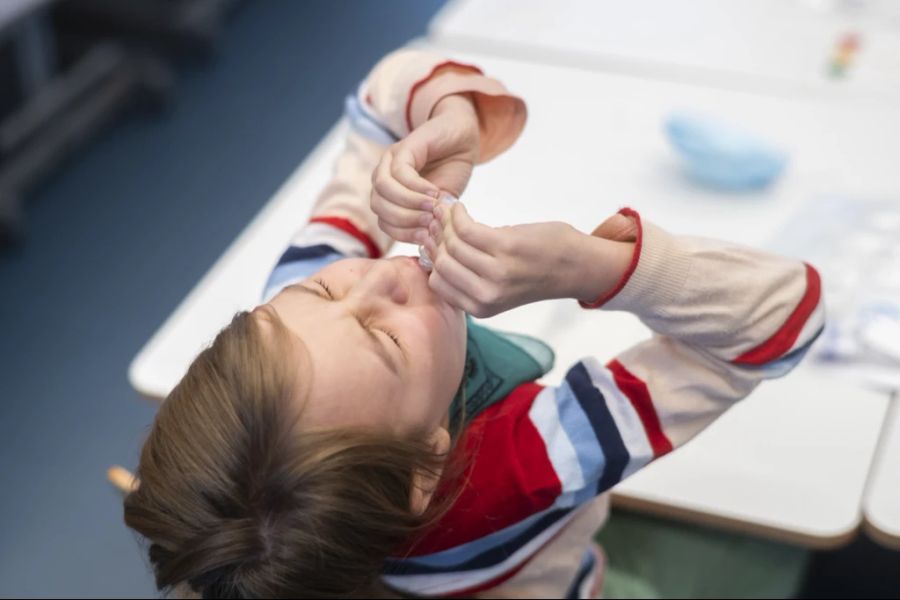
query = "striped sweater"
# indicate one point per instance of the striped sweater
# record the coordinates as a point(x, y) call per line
point(724, 318)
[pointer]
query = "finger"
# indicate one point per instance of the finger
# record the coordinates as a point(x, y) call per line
point(384, 184)
point(617, 228)
point(458, 276)
point(398, 216)
point(480, 263)
point(430, 247)
point(435, 232)
point(449, 293)
point(470, 231)
point(403, 168)
point(401, 234)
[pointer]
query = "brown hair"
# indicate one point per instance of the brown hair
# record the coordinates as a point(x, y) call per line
point(236, 502)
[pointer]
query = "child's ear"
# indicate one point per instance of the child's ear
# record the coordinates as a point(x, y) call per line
point(425, 482)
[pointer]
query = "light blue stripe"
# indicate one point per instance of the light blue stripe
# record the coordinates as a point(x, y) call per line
point(590, 458)
point(581, 434)
point(365, 125)
point(577, 497)
point(585, 495)
point(782, 366)
point(288, 273)
point(465, 552)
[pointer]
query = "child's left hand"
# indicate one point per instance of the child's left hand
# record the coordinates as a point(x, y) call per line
point(439, 155)
point(487, 270)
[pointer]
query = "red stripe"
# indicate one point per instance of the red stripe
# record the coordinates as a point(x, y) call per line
point(426, 79)
point(637, 393)
point(783, 339)
point(347, 226)
point(509, 476)
point(635, 258)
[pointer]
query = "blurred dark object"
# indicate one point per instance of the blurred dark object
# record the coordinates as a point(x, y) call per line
point(167, 26)
point(861, 569)
point(70, 67)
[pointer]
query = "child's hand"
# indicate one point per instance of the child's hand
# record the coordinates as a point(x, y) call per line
point(485, 270)
point(437, 155)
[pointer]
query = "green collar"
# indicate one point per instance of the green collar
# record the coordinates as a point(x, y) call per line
point(496, 363)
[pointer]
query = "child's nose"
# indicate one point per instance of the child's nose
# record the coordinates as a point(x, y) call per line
point(381, 283)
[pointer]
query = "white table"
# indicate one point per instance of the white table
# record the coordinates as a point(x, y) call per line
point(777, 45)
point(593, 144)
point(882, 501)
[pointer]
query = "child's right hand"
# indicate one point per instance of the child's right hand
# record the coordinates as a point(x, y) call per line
point(485, 270)
point(439, 155)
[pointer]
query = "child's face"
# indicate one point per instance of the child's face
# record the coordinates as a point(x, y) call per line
point(345, 316)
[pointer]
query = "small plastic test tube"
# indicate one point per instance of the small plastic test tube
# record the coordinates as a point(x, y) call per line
point(424, 259)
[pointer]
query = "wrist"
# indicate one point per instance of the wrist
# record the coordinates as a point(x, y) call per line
point(458, 106)
point(595, 267)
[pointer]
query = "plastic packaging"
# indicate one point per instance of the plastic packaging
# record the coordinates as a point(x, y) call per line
point(424, 259)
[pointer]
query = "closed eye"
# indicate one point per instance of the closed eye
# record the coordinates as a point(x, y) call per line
point(325, 287)
point(396, 341)
point(392, 336)
point(362, 323)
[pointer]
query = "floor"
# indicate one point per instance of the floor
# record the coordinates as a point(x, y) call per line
point(118, 237)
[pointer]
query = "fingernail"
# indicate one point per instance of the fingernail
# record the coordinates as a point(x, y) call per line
point(438, 211)
point(425, 219)
point(434, 193)
point(420, 236)
point(434, 229)
point(428, 205)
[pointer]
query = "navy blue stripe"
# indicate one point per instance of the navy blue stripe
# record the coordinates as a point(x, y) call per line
point(587, 565)
point(295, 253)
point(790, 359)
point(488, 558)
point(798, 352)
point(594, 406)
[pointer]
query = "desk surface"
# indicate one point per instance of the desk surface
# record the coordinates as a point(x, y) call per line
point(593, 144)
point(882, 502)
point(784, 45)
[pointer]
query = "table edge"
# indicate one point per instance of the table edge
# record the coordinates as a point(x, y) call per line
point(718, 521)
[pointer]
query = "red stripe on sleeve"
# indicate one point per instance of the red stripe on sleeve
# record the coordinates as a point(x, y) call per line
point(347, 226)
point(783, 339)
point(635, 258)
point(508, 478)
point(429, 77)
point(637, 393)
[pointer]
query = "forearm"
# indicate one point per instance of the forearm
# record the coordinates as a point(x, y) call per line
point(460, 106)
point(347, 194)
point(590, 267)
point(394, 103)
point(737, 304)
point(404, 88)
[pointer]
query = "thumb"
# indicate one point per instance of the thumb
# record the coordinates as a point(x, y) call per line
point(617, 228)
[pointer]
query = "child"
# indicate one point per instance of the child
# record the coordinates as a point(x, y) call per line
point(354, 434)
